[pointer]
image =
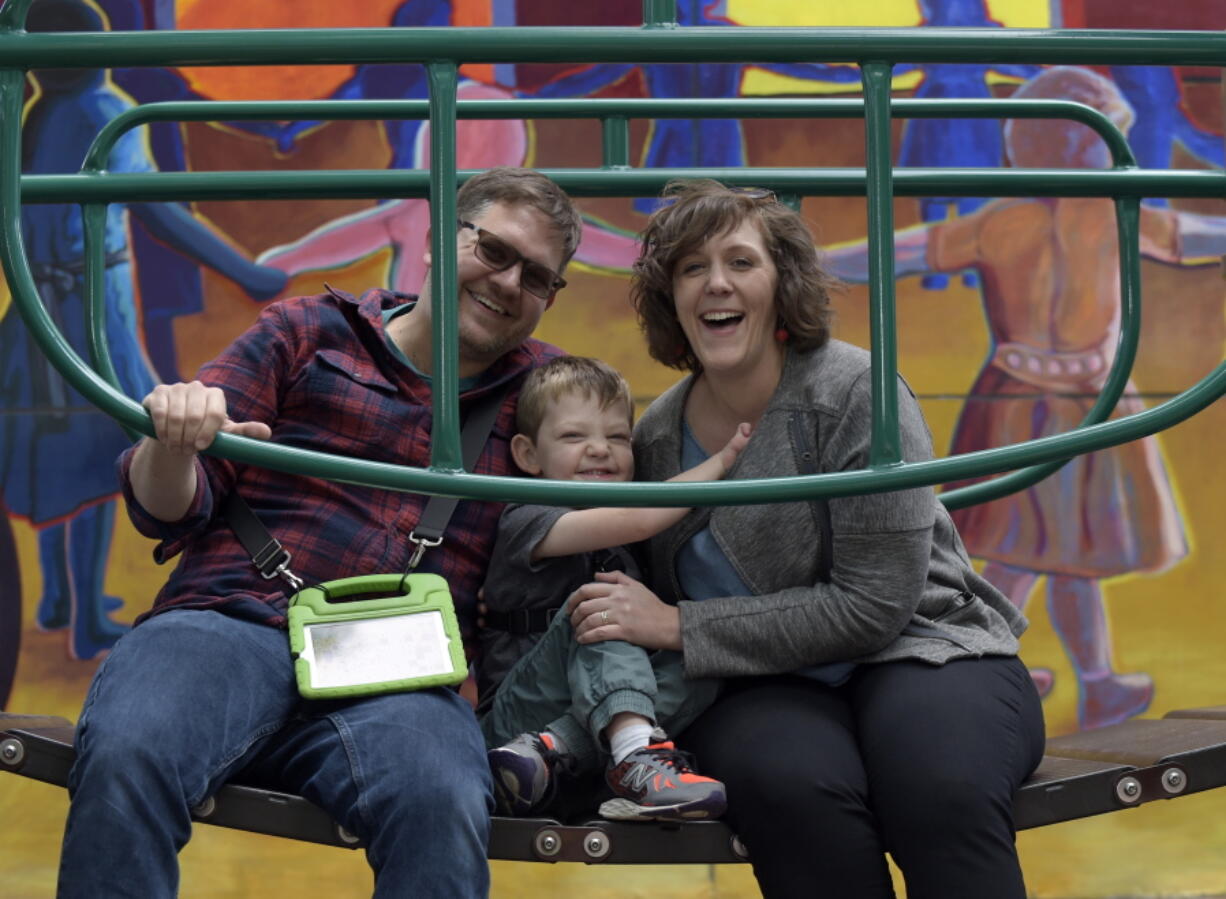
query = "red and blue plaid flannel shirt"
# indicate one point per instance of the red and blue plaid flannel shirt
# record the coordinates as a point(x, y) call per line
point(318, 371)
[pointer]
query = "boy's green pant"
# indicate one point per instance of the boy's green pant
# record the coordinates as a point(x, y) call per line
point(573, 690)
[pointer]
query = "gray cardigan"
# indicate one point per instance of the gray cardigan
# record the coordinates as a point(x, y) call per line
point(902, 586)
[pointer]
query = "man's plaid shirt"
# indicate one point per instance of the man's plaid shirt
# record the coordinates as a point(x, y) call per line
point(318, 371)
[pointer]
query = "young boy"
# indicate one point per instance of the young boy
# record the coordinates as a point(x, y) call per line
point(569, 703)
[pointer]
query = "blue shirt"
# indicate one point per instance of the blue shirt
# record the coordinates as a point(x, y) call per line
point(705, 572)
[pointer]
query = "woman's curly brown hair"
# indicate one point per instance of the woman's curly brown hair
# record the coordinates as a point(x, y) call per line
point(702, 209)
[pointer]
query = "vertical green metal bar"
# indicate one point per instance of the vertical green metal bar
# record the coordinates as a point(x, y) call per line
point(659, 13)
point(791, 201)
point(886, 447)
point(615, 141)
point(445, 440)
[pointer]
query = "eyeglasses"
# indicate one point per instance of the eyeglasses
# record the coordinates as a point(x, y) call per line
point(499, 255)
point(755, 193)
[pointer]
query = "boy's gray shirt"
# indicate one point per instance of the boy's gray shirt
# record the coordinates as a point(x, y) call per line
point(902, 586)
point(515, 582)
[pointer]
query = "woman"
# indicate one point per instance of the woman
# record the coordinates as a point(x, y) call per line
point(874, 700)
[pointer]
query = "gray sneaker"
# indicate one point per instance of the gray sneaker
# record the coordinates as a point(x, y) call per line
point(523, 772)
point(659, 783)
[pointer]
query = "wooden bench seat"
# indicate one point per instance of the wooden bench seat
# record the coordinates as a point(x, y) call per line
point(1082, 774)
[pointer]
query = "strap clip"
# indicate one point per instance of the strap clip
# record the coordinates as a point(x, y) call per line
point(420, 545)
point(273, 561)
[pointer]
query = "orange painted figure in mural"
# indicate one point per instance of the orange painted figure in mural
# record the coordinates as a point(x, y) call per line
point(1051, 295)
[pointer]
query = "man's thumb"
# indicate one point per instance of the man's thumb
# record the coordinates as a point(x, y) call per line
point(256, 430)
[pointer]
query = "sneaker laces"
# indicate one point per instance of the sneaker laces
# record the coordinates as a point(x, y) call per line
point(555, 763)
point(668, 754)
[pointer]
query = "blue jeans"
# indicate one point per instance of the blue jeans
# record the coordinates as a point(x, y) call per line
point(192, 699)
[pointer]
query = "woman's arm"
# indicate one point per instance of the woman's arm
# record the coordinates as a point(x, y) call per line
point(882, 544)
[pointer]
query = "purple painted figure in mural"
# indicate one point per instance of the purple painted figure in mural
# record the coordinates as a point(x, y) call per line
point(1051, 297)
point(55, 450)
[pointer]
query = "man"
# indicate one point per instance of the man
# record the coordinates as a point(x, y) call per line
point(203, 688)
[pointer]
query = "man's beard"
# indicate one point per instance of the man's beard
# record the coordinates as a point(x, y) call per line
point(478, 345)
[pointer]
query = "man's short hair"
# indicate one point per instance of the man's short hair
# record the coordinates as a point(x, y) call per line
point(523, 187)
point(567, 375)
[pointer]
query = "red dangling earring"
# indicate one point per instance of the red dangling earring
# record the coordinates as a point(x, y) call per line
point(781, 334)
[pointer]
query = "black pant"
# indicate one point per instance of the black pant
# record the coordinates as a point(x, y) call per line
point(912, 759)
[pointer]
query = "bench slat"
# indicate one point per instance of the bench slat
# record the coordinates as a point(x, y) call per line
point(1082, 774)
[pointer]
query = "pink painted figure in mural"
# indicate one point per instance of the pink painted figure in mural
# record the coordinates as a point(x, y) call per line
point(1050, 276)
point(401, 224)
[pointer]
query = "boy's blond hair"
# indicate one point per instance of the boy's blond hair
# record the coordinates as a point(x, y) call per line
point(566, 375)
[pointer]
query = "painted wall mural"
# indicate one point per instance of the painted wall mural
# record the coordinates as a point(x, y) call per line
point(1007, 310)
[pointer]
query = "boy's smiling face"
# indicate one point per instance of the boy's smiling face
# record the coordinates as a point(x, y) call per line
point(578, 441)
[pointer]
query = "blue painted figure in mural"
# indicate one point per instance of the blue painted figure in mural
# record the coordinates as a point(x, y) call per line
point(377, 82)
point(56, 452)
point(716, 143)
point(170, 284)
point(959, 143)
point(1162, 121)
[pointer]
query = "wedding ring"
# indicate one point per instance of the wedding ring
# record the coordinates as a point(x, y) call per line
point(604, 616)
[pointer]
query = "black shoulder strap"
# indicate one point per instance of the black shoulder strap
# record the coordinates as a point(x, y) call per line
point(272, 559)
point(478, 425)
point(821, 508)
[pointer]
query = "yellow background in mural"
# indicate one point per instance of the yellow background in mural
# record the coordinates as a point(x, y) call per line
point(1166, 625)
point(836, 14)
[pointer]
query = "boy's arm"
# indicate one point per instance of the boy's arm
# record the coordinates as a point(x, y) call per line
point(588, 530)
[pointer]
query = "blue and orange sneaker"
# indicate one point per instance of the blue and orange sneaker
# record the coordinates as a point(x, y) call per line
point(659, 783)
point(523, 772)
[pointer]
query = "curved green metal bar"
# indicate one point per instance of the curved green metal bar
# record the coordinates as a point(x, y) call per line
point(1128, 229)
point(614, 114)
point(599, 182)
point(93, 219)
point(871, 480)
point(321, 46)
point(608, 110)
point(96, 391)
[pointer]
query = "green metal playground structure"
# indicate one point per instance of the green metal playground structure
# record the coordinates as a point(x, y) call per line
point(1083, 774)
